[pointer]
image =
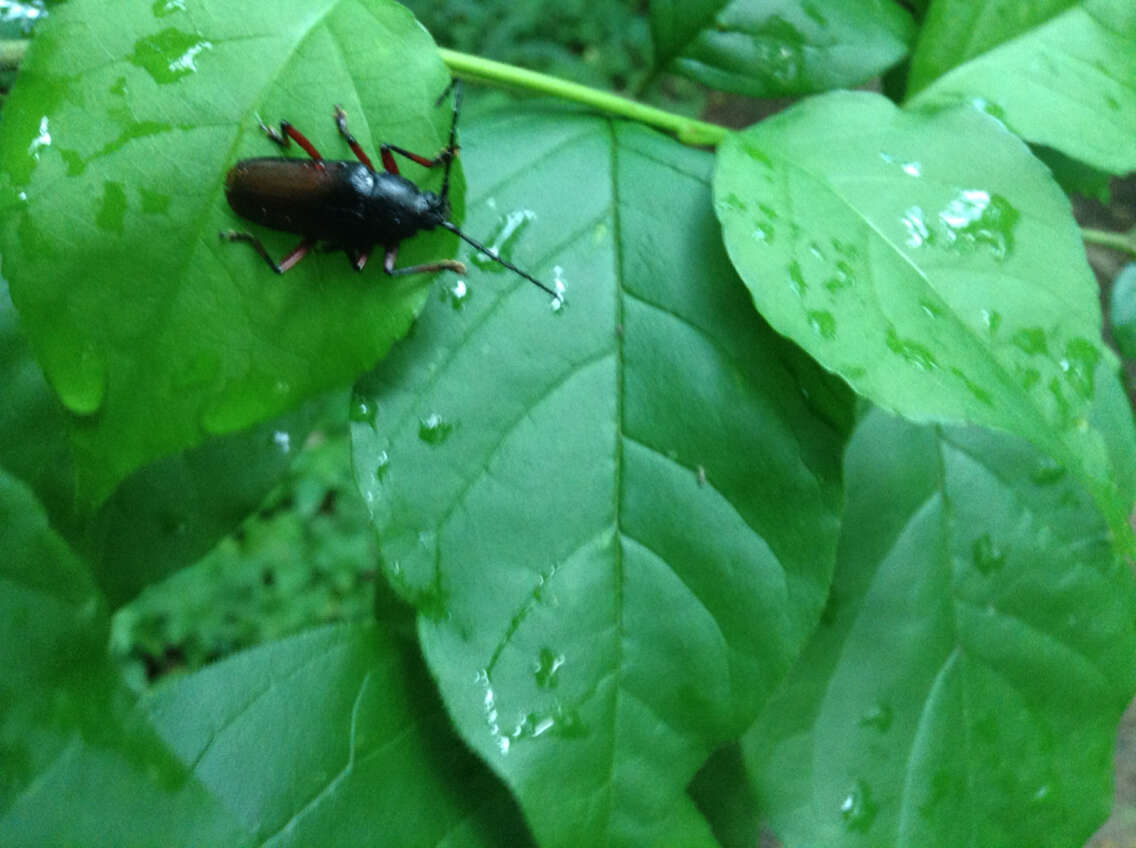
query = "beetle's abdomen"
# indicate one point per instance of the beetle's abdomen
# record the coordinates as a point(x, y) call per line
point(323, 201)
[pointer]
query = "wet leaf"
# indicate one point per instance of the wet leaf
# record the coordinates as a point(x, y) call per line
point(378, 762)
point(976, 655)
point(113, 152)
point(624, 533)
point(165, 515)
point(776, 49)
point(931, 262)
point(1057, 72)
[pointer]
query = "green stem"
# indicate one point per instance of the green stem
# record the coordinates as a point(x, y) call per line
point(687, 130)
point(1124, 242)
point(11, 53)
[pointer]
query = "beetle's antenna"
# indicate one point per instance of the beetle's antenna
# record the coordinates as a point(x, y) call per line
point(451, 148)
point(492, 254)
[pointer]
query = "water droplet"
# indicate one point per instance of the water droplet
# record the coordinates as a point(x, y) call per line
point(161, 8)
point(858, 810)
point(40, 141)
point(1031, 340)
point(559, 721)
point(457, 294)
point(1048, 472)
point(382, 465)
point(763, 232)
point(975, 217)
point(559, 302)
point(82, 385)
point(843, 278)
point(988, 557)
point(282, 440)
point(732, 202)
point(547, 667)
point(1079, 364)
point(917, 232)
point(433, 429)
point(912, 351)
point(169, 55)
point(931, 309)
point(112, 208)
point(879, 718)
point(822, 322)
point(992, 320)
point(815, 252)
point(912, 169)
point(797, 279)
point(502, 239)
point(991, 109)
point(361, 410)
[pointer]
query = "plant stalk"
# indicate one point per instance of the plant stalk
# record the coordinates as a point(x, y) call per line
point(688, 130)
point(1124, 242)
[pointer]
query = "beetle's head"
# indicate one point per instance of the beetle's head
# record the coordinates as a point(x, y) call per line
point(433, 208)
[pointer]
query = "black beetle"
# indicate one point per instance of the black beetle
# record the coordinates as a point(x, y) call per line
point(347, 205)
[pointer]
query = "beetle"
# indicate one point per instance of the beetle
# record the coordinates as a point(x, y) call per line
point(348, 205)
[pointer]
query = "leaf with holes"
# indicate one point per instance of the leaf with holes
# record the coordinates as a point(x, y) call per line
point(1058, 72)
point(929, 260)
point(777, 49)
point(113, 153)
point(979, 649)
point(616, 519)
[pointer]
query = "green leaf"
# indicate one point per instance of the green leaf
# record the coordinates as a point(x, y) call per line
point(365, 754)
point(1122, 311)
point(113, 153)
point(616, 519)
point(784, 48)
point(80, 767)
point(1057, 72)
point(164, 515)
point(931, 262)
point(978, 652)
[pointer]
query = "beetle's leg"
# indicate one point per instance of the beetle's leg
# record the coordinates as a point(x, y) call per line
point(440, 265)
point(445, 155)
point(341, 125)
point(359, 258)
point(288, 131)
point(297, 253)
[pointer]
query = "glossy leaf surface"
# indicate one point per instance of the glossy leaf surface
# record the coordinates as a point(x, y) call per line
point(615, 519)
point(930, 261)
point(166, 514)
point(361, 752)
point(1057, 72)
point(778, 49)
point(976, 655)
point(113, 154)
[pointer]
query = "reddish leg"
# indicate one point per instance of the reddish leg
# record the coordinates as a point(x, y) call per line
point(440, 265)
point(387, 151)
point(341, 125)
point(359, 259)
point(297, 253)
point(287, 131)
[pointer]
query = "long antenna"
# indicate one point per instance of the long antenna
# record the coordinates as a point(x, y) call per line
point(492, 254)
point(451, 147)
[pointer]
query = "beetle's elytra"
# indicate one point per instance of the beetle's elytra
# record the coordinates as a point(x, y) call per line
point(347, 205)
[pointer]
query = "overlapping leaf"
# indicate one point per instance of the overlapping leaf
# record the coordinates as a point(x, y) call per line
point(980, 646)
point(776, 49)
point(616, 519)
point(165, 515)
point(333, 737)
point(1058, 72)
point(80, 767)
point(113, 152)
point(932, 262)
